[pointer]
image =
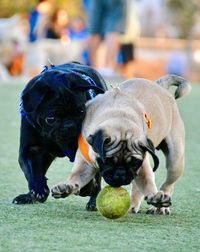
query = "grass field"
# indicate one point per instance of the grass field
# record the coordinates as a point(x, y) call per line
point(64, 225)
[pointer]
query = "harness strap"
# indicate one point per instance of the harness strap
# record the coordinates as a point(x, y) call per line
point(148, 122)
point(23, 113)
point(83, 147)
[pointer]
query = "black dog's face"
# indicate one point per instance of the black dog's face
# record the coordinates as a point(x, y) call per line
point(55, 109)
point(60, 119)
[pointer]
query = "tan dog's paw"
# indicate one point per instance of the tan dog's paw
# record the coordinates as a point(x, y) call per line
point(159, 200)
point(63, 190)
point(134, 209)
point(161, 211)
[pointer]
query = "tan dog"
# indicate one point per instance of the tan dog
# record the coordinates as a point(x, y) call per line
point(122, 127)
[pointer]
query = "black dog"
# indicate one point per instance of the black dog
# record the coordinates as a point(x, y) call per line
point(53, 107)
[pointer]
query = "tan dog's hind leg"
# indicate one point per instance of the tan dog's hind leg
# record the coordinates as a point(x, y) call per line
point(173, 148)
point(175, 166)
point(81, 174)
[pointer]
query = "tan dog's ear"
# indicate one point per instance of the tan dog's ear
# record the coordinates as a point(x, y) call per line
point(97, 141)
point(148, 146)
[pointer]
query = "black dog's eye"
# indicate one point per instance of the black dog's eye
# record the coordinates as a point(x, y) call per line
point(50, 120)
point(81, 111)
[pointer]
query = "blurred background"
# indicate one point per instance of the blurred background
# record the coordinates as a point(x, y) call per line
point(160, 36)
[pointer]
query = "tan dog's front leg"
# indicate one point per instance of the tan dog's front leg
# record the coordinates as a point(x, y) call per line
point(81, 174)
point(145, 181)
point(136, 198)
point(143, 185)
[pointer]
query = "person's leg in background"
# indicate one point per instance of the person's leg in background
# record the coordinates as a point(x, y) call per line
point(112, 45)
point(114, 24)
point(95, 17)
point(106, 20)
point(94, 43)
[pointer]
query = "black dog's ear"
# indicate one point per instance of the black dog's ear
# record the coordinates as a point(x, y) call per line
point(97, 141)
point(82, 82)
point(33, 96)
point(149, 146)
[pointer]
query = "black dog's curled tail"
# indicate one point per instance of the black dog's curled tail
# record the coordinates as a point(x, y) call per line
point(183, 86)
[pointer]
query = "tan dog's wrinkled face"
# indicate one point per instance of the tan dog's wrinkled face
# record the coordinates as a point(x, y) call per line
point(119, 154)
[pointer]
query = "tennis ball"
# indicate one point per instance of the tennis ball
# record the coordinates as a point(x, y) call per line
point(113, 202)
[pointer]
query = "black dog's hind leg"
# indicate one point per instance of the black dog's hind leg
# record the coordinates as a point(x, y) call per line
point(92, 189)
point(34, 162)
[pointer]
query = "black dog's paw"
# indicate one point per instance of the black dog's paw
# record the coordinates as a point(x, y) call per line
point(40, 196)
point(91, 205)
point(31, 197)
point(23, 199)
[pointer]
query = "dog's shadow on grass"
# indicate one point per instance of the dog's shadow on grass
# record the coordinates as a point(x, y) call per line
point(71, 212)
point(75, 211)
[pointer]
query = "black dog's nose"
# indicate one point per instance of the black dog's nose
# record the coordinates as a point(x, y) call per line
point(69, 124)
point(70, 128)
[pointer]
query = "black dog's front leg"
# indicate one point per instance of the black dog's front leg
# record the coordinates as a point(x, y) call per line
point(92, 189)
point(34, 162)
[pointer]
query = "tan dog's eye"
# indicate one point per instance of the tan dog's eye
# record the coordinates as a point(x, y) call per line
point(107, 140)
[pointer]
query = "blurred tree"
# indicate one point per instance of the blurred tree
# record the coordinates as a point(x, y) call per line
point(73, 7)
point(11, 7)
point(185, 14)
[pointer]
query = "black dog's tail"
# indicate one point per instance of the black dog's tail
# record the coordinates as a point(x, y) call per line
point(183, 86)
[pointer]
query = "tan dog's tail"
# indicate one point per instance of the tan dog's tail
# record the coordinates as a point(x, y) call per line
point(183, 86)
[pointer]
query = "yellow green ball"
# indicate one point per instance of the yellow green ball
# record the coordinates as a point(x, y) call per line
point(113, 202)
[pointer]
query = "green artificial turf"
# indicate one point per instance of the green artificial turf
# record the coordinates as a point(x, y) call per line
point(64, 225)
